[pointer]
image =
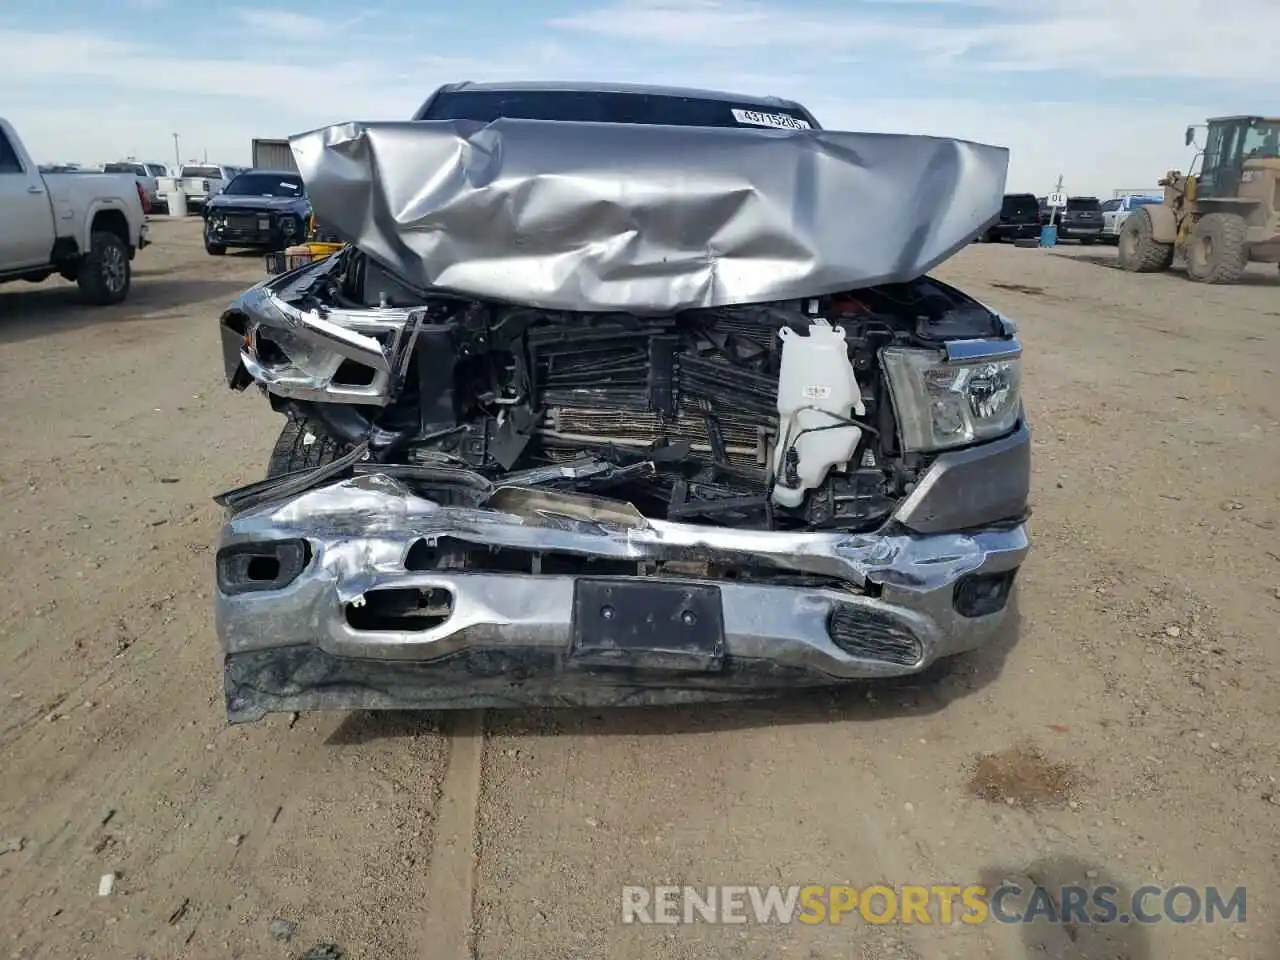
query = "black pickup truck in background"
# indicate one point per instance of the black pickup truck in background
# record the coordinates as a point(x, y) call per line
point(1019, 218)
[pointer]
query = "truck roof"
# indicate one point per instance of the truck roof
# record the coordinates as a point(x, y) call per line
point(637, 88)
point(1244, 116)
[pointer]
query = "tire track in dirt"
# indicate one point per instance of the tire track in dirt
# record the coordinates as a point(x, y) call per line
point(449, 930)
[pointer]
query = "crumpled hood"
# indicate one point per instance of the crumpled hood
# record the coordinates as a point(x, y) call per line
point(591, 216)
point(251, 202)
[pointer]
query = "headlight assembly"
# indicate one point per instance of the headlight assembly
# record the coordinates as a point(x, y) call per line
point(944, 402)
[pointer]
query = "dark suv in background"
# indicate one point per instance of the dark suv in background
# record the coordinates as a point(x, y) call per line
point(260, 209)
point(1080, 219)
point(1019, 218)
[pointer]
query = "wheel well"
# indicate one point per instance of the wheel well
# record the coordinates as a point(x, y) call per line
point(111, 221)
point(66, 250)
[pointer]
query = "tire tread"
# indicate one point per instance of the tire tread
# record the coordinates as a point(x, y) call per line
point(1230, 242)
point(292, 451)
point(1153, 256)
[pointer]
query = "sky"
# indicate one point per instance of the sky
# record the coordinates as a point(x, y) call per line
point(1097, 91)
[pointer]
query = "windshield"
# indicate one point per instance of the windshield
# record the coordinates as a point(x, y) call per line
point(136, 169)
point(1020, 207)
point(1262, 140)
point(265, 185)
point(608, 107)
point(210, 173)
point(1135, 202)
point(1084, 204)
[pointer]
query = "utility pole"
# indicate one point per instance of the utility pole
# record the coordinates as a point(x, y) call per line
point(177, 156)
point(1053, 211)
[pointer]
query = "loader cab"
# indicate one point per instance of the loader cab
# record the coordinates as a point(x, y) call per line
point(1230, 142)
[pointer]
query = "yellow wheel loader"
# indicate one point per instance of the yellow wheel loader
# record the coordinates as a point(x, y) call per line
point(1220, 219)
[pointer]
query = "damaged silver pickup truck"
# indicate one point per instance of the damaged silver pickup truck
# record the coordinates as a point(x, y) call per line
point(621, 395)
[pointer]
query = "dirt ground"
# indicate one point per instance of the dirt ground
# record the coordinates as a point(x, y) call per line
point(1128, 731)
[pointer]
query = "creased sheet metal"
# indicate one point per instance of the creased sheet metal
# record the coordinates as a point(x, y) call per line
point(587, 216)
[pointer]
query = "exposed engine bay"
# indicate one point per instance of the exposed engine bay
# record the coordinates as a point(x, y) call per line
point(773, 416)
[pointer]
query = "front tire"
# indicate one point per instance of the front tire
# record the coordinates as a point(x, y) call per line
point(1217, 251)
point(302, 445)
point(104, 274)
point(214, 249)
point(1138, 251)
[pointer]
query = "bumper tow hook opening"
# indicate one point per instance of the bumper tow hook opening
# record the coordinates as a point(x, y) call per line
point(400, 608)
point(252, 567)
point(982, 595)
point(263, 568)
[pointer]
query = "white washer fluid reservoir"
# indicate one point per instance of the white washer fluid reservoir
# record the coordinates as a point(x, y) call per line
point(817, 391)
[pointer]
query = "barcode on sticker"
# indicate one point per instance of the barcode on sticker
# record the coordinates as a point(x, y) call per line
point(779, 121)
point(816, 391)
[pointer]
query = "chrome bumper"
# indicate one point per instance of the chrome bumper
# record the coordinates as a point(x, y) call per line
point(289, 643)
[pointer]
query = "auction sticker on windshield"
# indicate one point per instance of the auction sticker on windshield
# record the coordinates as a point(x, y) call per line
point(779, 120)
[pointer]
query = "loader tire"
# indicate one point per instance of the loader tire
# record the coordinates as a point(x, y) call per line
point(1137, 249)
point(1217, 251)
point(302, 445)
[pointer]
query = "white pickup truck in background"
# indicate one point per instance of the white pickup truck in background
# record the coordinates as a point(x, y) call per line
point(85, 227)
point(1116, 211)
point(147, 174)
point(202, 181)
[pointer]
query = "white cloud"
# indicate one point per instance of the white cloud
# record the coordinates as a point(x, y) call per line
point(148, 80)
point(1208, 39)
point(132, 96)
point(78, 96)
point(1211, 39)
point(283, 23)
point(745, 24)
point(1125, 146)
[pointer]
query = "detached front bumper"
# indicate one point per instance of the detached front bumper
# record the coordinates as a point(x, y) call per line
point(311, 613)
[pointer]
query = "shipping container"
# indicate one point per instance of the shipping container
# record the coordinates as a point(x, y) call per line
point(273, 155)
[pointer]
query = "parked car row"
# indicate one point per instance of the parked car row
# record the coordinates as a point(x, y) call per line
point(198, 181)
point(1086, 219)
